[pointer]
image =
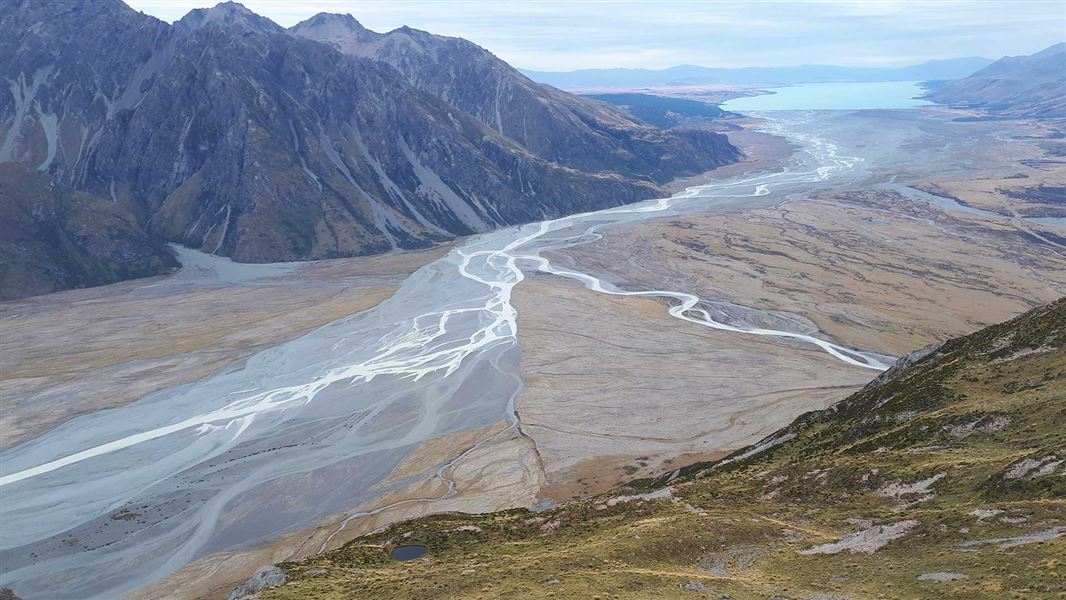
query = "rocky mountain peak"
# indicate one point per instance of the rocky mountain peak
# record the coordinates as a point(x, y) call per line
point(335, 21)
point(340, 31)
point(419, 33)
point(233, 15)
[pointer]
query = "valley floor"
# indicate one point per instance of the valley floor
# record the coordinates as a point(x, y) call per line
point(612, 384)
point(75, 352)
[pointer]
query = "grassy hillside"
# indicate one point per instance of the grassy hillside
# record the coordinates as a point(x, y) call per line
point(943, 479)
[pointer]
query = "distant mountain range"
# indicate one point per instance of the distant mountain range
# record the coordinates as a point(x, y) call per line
point(1021, 86)
point(691, 75)
point(228, 133)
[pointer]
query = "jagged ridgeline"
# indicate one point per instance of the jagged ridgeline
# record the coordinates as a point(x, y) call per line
point(228, 133)
point(943, 478)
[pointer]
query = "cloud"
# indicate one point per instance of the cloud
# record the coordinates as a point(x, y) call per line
point(573, 34)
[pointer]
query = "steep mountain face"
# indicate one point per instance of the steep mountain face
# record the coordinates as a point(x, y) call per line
point(69, 69)
point(227, 133)
point(553, 125)
point(943, 478)
point(52, 238)
point(1022, 86)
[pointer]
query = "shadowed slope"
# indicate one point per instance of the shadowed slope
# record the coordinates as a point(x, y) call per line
point(1017, 86)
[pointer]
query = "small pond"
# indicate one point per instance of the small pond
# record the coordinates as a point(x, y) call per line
point(409, 552)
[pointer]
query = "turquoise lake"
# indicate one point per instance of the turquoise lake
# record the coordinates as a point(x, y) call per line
point(834, 96)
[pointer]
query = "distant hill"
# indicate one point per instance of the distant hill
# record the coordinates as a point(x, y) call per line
point(661, 111)
point(943, 478)
point(691, 74)
point(1023, 86)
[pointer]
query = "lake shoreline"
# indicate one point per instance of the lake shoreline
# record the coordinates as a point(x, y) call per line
point(834, 96)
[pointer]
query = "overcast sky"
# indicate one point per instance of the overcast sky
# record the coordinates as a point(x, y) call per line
point(566, 35)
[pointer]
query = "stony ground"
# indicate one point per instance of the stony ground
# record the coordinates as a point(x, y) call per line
point(611, 389)
point(74, 352)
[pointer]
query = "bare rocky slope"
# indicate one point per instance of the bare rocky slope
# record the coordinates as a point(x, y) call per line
point(944, 478)
point(53, 238)
point(1015, 86)
point(554, 125)
point(226, 132)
